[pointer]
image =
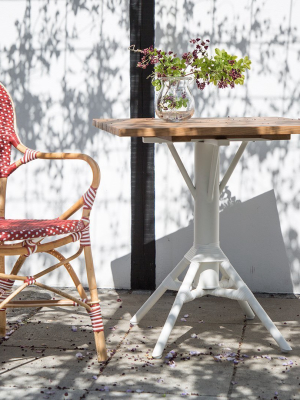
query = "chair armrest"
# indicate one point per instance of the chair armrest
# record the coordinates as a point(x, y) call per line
point(75, 156)
point(65, 156)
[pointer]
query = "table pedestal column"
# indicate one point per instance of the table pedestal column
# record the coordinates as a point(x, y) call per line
point(206, 209)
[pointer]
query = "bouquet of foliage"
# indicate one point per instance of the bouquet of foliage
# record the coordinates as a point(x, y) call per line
point(223, 69)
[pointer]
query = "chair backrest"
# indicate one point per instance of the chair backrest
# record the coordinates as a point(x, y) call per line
point(8, 130)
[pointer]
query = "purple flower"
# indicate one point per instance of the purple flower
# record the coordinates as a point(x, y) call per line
point(200, 85)
point(222, 84)
point(231, 62)
point(235, 74)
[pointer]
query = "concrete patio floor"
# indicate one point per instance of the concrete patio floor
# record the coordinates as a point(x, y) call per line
point(216, 354)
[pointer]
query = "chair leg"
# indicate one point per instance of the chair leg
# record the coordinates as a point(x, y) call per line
point(2, 313)
point(2, 323)
point(99, 333)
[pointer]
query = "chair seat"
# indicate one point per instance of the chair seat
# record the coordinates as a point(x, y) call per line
point(21, 229)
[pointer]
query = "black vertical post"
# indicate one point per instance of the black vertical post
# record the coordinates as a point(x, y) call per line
point(142, 155)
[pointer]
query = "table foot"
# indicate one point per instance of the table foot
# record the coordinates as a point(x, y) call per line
point(286, 350)
point(246, 309)
point(156, 357)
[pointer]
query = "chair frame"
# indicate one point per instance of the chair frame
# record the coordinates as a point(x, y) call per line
point(50, 248)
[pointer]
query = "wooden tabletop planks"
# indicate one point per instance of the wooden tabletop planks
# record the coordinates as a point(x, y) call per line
point(270, 128)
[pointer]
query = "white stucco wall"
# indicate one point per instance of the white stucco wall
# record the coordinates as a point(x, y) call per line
point(268, 32)
point(66, 62)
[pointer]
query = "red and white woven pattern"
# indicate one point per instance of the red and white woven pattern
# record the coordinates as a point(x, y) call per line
point(85, 239)
point(89, 198)
point(29, 155)
point(96, 318)
point(24, 229)
point(5, 289)
point(76, 304)
point(30, 280)
point(31, 247)
point(76, 236)
point(7, 132)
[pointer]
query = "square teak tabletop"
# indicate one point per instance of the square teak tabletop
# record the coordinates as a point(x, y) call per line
point(205, 259)
point(268, 128)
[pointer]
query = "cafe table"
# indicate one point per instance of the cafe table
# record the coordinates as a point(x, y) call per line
point(205, 260)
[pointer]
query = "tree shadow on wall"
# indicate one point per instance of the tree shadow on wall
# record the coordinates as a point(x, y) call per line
point(60, 68)
point(271, 87)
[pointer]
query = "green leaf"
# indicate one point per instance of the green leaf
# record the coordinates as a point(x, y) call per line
point(218, 52)
point(239, 81)
point(157, 84)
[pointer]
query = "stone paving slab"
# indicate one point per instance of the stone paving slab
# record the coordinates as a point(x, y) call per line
point(53, 368)
point(55, 328)
point(48, 368)
point(42, 351)
point(268, 371)
point(211, 309)
point(35, 393)
point(194, 368)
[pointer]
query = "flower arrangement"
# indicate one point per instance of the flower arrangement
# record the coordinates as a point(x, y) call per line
point(223, 70)
point(171, 75)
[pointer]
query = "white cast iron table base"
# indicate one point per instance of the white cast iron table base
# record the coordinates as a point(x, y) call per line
point(205, 260)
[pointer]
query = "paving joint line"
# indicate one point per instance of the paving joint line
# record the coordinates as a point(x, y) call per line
point(101, 391)
point(237, 357)
point(105, 364)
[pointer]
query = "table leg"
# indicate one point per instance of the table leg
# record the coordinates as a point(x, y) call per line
point(167, 283)
point(180, 299)
point(243, 304)
point(246, 309)
point(257, 308)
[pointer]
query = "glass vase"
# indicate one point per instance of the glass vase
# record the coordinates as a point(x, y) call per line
point(174, 101)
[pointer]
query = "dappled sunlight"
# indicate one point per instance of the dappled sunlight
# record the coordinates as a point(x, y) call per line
point(211, 351)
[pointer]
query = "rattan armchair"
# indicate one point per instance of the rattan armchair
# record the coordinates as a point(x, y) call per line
point(25, 237)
